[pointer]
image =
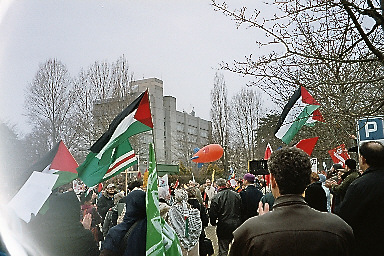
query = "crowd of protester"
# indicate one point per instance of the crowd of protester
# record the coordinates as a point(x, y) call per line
point(300, 212)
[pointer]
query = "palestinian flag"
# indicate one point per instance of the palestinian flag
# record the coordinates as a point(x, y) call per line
point(307, 145)
point(300, 108)
point(57, 161)
point(112, 153)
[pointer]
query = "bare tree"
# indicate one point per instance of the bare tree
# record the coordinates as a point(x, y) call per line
point(246, 111)
point(104, 91)
point(50, 100)
point(220, 117)
point(333, 48)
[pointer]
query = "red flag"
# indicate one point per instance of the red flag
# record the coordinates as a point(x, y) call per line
point(100, 187)
point(268, 152)
point(267, 155)
point(307, 145)
point(339, 155)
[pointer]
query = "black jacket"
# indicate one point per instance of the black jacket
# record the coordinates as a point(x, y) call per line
point(226, 210)
point(135, 244)
point(203, 214)
point(250, 198)
point(293, 228)
point(104, 203)
point(363, 208)
point(315, 197)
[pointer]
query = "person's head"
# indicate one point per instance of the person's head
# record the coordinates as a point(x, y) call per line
point(135, 184)
point(86, 198)
point(181, 195)
point(350, 164)
point(371, 154)
point(111, 189)
point(135, 206)
point(249, 179)
point(322, 178)
point(221, 183)
point(191, 192)
point(118, 196)
point(208, 182)
point(336, 167)
point(314, 177)
point(290, 170)
point(164, 193)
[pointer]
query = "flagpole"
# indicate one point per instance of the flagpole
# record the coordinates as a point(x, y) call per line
point(126, 182)
point(153, 136)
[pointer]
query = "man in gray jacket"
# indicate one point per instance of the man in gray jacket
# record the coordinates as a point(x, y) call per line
point(292, 228)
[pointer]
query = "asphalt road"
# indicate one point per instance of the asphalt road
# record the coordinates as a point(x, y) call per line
point(210, 232)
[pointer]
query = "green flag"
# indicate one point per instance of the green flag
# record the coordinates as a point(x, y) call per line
point(112, 153)
point(161, 238)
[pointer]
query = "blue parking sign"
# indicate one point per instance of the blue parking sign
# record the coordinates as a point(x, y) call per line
point(371, 128)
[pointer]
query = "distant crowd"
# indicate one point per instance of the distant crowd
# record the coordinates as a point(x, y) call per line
point(293, 212)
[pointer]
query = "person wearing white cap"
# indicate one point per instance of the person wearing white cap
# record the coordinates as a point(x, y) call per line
point(106, 201)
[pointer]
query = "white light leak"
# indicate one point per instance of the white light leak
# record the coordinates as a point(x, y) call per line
point(4, 6)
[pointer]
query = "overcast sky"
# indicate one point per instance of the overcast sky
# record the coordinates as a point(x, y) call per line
point(179, 41)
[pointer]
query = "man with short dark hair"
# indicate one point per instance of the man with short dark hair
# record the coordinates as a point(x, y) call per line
point(292, 227)
point(363, 204)
point(226, 210)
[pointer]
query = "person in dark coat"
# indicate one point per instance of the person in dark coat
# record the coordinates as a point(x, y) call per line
point(315, 194)
point(135, 243)
point(363, 204)
point(250, 197)
point(112, 215)
point(192, 200)
point(349, 174)
point(106, 202)
point(268, 199)
point(225, 212)
point(292, 227)
point(59, 231)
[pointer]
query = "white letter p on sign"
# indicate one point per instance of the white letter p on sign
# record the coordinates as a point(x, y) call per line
point(370, 127)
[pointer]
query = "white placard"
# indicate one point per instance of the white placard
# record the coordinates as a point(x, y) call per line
point(314, 164)
point(33, 195)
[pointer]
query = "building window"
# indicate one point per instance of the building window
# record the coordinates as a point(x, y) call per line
point(180, 127)
point(192, 130)
point(204, 133)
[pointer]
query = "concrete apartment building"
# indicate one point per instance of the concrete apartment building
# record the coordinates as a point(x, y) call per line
point(175, 133)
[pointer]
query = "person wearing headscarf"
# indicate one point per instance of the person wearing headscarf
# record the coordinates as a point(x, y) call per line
point(186, 222)
point(164, 207)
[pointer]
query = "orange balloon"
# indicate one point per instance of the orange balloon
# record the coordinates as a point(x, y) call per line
point(209, 153)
